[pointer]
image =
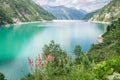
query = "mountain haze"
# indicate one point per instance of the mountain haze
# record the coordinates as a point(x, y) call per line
point(64, 13)
point(87, 5)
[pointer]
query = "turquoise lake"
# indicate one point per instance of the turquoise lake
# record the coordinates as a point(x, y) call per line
point(19, 42)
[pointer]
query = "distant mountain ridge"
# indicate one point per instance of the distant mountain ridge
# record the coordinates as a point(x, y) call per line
point(22, 11)
point(109, 12)
point(89, 15)
point(64, 13)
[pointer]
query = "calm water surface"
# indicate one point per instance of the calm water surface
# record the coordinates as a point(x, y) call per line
point(19, 42)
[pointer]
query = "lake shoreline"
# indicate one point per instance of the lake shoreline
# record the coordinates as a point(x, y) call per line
point(19, 23)
point(100, 22)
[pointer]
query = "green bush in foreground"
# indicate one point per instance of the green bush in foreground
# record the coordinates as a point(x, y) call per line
point(2, 77)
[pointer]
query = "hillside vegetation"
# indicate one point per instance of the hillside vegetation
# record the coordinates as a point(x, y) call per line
point(109, 12)
point(21, 11)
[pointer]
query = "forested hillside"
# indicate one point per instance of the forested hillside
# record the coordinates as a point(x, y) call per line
point(110, 46)
point(109, 12)
point(21, 11)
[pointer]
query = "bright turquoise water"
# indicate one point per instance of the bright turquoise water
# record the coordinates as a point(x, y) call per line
point(22, 41)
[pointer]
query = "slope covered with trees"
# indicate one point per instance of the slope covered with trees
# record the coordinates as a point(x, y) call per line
point(109, 12)
point(22, 11)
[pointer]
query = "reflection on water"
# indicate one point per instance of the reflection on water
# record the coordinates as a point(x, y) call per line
point(26, 40)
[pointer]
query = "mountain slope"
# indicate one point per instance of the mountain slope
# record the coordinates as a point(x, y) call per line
point(89, 15)
point(64, 13)
point(21, 11)
point(109, 12)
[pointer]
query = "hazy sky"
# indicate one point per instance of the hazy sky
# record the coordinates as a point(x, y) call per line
point(88, 5)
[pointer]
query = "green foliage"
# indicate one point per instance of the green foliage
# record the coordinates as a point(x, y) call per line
point(77, 50)
point(53, 49)
point(110, 45)
point(62, 67)
point(28, 77)
point(113, 61)
point(78, 53)
point(101, 70)
point(60, 57)
point(2, 77)
point(107, 67)
point(4, 18)
point(107, 53)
